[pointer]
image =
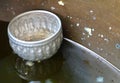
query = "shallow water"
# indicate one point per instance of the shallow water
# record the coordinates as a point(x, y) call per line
point(71, 64)
point(54, 70)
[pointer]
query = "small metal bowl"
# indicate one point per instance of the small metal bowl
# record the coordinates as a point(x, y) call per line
point(35, 35)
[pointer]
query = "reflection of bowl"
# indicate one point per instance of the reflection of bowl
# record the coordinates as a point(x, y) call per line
point(39, 71)
point(35, 35)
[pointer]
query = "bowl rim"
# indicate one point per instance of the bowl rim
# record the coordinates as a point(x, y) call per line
point(38, 41)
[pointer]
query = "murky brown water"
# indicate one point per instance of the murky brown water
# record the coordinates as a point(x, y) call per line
point(54, 70)
point(70, 67)
point(14, 70)
point(101, 16)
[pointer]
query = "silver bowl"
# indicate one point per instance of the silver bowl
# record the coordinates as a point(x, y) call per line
point(35, 35)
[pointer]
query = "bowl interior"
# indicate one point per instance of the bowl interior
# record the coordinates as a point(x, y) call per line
point(34, 26)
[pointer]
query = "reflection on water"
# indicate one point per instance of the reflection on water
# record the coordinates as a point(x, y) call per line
point(46, 81)
point(34, 82)
point(100, 79)
point(39, 72)
point(69, 65)
point(54, 70)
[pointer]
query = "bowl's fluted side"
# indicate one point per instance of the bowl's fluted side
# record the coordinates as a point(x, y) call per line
point(40, 52)
point(30, 24)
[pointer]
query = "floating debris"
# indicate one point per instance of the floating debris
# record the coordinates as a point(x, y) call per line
point(83, 33)
point(101, 36)
point(34, 82)
point(117, 46)
point(88, 30)
point(91, 11)
point(110, 28)
point(88, 36)
point(70, 17)
point(105, 39)
point(89, 44)
point(82, 38)
point(52, 8)
point(29, 63)
point(61, 3)
point(77, 24)
point(93, 29)
point(38, 61)
point(100, 79)
point(94, 18)
point(26, 73)
point(101, 49)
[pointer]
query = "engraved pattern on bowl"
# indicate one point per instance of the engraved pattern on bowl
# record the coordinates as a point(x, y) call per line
point(30, 23)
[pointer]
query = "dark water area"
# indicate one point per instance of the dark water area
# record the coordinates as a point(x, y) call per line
point(15, 70)
point(73, 63)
